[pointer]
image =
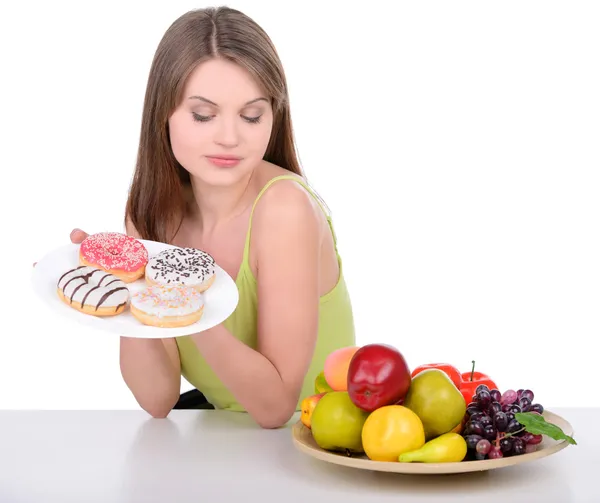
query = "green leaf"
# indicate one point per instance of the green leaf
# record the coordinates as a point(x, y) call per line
point(537, 425)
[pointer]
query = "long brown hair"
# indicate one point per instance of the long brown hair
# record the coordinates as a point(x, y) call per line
point(157, 199)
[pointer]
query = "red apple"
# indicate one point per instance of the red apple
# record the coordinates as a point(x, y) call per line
point(378, 375)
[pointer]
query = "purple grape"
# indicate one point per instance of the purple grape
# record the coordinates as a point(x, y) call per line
point(472, 440)
point(525, 404)
point(518, 447)
point(514, 408)
point(530, 438)
point(513, 426)
point(494, 408)
point(490, 432)
point(470, 455)
point(509, 416)
point(537, 407)
point(483, 446)
point(506, 445)
point(508, 397)
point(472, 409)
point(485, 420)
point(495, 452)
point(474, 428)
point(496, 395)
point(519, 393)
point(481, 387)
point(527, 394)
point(484, 399)
point(477, 416)
point(500, 421)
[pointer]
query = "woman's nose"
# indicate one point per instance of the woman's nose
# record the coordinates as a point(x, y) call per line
point(227, 133)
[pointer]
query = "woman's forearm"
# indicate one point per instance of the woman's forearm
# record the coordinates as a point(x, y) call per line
point(256, 383)
point(150, 374)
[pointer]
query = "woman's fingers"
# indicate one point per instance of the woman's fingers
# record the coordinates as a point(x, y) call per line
point(77, 236)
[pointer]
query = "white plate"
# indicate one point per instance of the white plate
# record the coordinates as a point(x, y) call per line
point(220, 300)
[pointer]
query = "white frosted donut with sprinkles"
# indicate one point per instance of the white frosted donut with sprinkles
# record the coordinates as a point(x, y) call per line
point(181, 266)
point(167, 306)
point(93, 291)
point(118, 254)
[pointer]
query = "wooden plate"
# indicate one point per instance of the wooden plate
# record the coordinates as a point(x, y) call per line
point(304, 442)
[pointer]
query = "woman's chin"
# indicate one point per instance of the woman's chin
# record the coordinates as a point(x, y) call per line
point(220, 177)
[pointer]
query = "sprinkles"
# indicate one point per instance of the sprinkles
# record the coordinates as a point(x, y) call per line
point(161, 300)
point(181, 266)
point(114, 251)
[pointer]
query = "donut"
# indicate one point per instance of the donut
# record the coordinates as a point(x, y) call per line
point(181, 266)
point(167, 306)
point(115, 253)
point(93, 291)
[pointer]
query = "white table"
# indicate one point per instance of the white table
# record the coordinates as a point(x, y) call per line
point(211, 456)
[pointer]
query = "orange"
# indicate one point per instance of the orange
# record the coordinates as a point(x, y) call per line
point(390, 431)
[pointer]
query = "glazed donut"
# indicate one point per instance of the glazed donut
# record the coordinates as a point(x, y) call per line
point(167, 306)
point(181, 266)
point(115, 253)
point(93, 291)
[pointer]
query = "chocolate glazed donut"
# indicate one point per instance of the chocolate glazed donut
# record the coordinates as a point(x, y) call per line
point(93, 291)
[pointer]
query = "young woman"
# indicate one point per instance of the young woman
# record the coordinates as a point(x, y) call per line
point(217, 170)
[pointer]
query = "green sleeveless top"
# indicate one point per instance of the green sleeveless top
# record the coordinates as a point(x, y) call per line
point(336, 326)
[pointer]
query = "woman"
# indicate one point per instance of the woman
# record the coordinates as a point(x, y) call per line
point(217, 170)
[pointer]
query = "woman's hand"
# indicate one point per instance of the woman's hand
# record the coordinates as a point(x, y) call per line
point(77, 236)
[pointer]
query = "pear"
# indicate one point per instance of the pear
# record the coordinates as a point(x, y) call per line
point(337, 423)
point(447, 448)
point(437, 401)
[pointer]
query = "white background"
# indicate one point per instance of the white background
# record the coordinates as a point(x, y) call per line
point(456, 143)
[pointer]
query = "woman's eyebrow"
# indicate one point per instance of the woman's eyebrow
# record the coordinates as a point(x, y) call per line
point(206, 100)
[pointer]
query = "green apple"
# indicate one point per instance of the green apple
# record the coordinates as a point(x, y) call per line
point(337, 423)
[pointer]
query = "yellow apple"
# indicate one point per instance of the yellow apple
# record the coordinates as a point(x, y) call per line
point(307, 406)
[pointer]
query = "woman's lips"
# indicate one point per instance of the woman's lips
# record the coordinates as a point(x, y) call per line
point(224, 161)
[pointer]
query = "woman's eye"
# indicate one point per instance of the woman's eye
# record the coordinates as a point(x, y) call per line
point(205, 118)
point(201, 118)
point(252, 120)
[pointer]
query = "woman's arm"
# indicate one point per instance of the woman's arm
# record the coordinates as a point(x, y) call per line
point(151, 368)
point(286, 247)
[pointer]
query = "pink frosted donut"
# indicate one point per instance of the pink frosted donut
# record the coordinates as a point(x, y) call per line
point(115, 253)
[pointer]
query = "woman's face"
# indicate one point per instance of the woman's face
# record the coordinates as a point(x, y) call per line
point(221, 129)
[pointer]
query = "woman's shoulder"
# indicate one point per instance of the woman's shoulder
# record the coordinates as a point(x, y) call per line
point(287, 227)
point(285, 199)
